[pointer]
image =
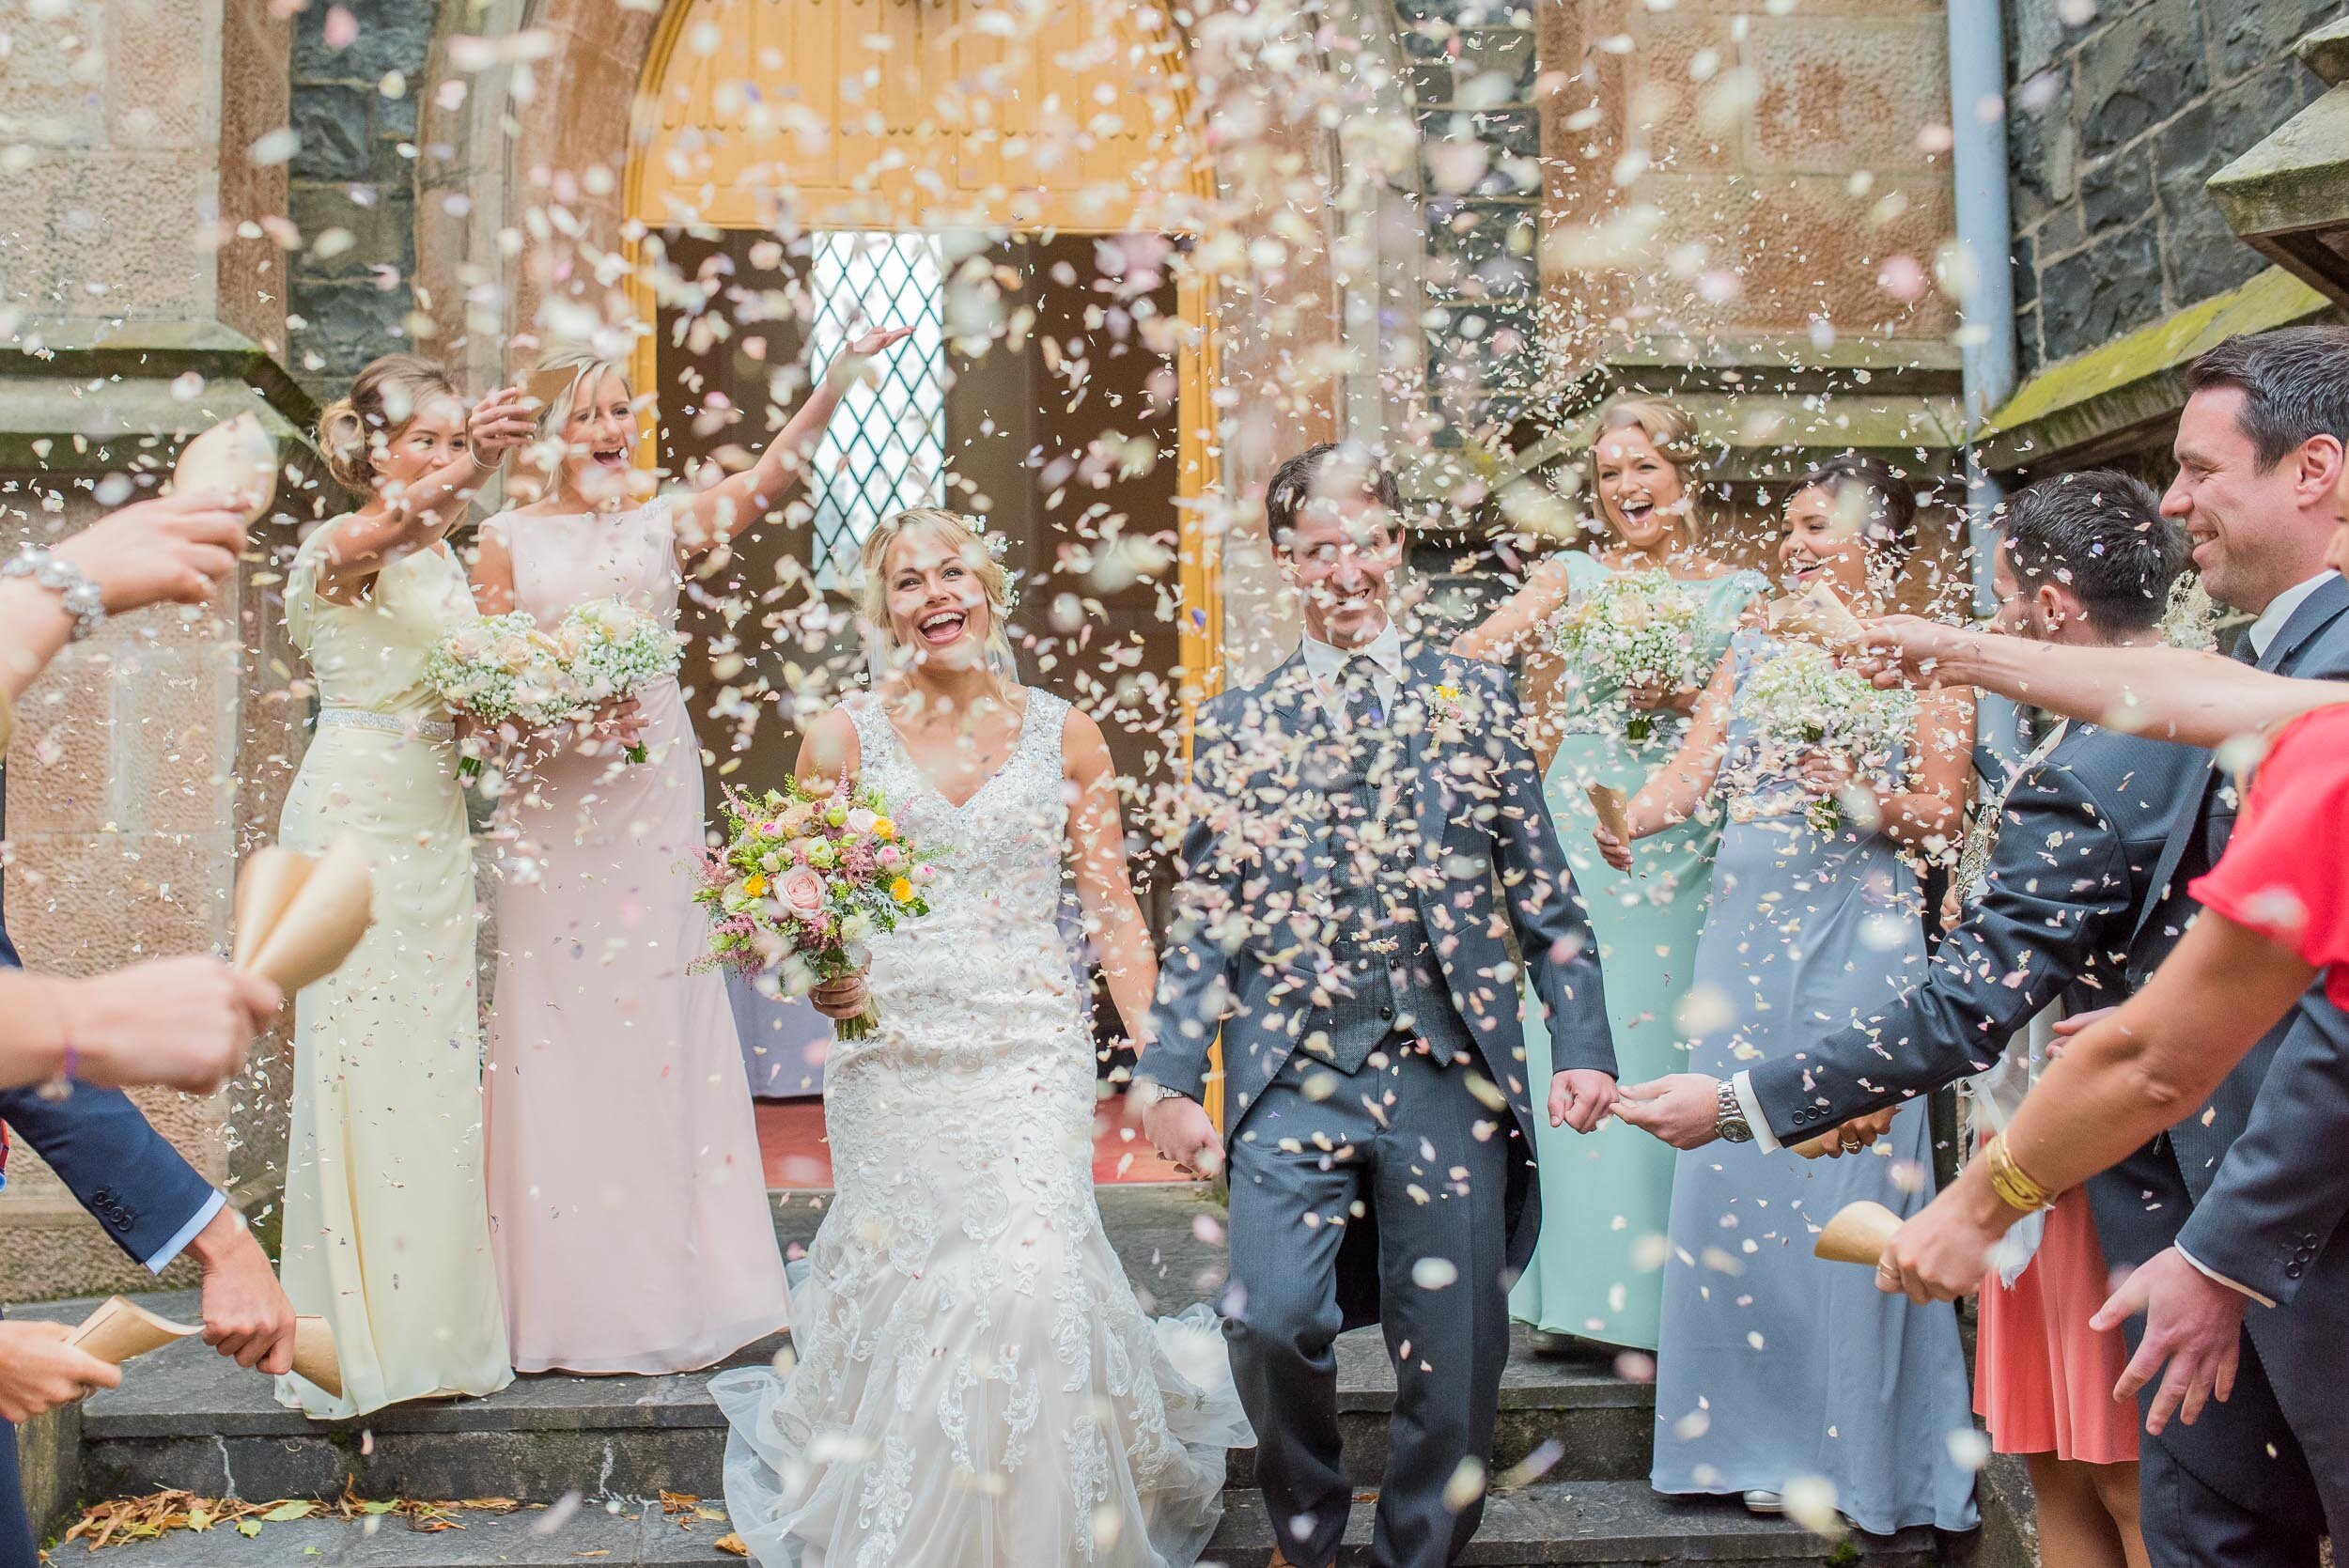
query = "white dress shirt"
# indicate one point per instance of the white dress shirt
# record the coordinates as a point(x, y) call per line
point(2271, 620)
point(1326, 664)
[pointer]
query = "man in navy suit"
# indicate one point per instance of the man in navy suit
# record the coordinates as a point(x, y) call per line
point(1369, 825)
point(154, 1206)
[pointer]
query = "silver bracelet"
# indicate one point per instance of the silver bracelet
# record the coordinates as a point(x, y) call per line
point(76, 593)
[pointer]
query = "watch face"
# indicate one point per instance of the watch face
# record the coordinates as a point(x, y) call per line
point(1736, 1132)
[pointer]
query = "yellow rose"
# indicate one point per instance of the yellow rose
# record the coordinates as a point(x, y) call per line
point(902, 891)
point(755, 887)
point(884, 829)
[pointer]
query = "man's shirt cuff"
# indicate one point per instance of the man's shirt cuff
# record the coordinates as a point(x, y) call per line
point(1763, 1139)
point(178, 1244)
point(2205, 1269)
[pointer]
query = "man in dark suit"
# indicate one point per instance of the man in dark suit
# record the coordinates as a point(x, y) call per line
point(154, 1206)
point(1367, 825)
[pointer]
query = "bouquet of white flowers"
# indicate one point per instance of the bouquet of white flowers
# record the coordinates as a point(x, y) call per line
point(609, 648)
point(1638, 628)
point(1799, 699)
point(497, 670)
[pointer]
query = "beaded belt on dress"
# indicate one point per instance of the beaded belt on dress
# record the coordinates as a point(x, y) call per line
point(391, 724)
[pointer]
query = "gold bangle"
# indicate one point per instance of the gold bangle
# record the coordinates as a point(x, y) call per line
point(8, 723)
point(2015, 1186)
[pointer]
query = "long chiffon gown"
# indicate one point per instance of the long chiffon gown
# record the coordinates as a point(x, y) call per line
point(386, 1235)
point(626, 1199)
point(1774, 1364)
point(1607, 1194)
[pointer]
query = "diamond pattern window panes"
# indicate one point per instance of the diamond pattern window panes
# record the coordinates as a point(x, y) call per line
point(886, 446)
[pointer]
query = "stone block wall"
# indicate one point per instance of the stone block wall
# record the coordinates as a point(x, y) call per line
point(355, 107)
point(2113, 124)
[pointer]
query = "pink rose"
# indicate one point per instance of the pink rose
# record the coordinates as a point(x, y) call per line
point(888, 856)
point(802, 893)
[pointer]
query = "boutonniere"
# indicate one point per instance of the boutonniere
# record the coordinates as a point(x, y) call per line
point(1447, 714)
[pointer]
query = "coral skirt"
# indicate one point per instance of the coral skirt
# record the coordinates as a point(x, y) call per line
point(2043, 1377)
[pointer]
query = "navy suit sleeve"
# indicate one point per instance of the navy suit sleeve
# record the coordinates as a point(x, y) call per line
point(1195, 978)
point(2058, 896)
point(116, 1166)
point(1537, 887)
point(2281, 1192)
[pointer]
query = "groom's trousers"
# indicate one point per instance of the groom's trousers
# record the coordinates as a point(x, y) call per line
point(1397, 1138)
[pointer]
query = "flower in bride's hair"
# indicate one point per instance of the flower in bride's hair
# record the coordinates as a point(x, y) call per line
point(802, 892)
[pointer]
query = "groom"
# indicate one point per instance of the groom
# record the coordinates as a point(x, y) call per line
point(1366, 825)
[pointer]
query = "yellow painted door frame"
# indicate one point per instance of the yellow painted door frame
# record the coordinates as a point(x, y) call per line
point(1197, 373)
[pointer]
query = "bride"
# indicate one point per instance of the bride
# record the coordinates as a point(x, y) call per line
point(976, 1386)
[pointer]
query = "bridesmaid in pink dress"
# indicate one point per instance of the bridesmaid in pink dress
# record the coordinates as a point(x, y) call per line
point(628, 1203)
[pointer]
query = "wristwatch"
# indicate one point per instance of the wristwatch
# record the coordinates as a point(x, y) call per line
point(1729, 1125)
point(79, 596)
point(1144, 1093)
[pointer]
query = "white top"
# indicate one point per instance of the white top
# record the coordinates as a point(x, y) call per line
point(1325, 663)
point(2271, 620)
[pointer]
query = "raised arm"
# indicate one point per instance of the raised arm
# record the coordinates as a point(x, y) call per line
point(401, 520)
point(2201, 699)
point(1502, 633)
point(1096, 851)
point(708, 518)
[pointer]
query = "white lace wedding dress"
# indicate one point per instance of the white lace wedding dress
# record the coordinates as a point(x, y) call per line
point(976, 1386)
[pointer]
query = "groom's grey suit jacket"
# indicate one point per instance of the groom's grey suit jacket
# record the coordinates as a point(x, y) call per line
point(1249, 957)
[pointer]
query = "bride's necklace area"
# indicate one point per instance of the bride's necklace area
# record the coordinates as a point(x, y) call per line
point(951, 743)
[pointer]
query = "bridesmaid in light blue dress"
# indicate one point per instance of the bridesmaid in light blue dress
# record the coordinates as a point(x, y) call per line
point(1774, 1365)
point(1606, 1195)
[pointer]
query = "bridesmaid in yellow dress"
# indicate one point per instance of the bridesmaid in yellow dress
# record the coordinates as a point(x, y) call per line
point(386, 1231)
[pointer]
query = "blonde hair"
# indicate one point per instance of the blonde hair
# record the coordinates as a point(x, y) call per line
point(383, 397)
point(955, 532)
point(1671, 432)
point(556, 382)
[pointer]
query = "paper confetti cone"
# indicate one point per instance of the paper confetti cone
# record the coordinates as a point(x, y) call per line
point(314, 1358)
point(1859, 1234)
point(120, 1329)
point(271, 878)
point(325, 919)
point(236, 458)
point(1612, 809)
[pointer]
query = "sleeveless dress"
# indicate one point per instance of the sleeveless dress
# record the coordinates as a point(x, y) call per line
point(627, 1202)
point(975, 1384)
point(385, 1231)
point(1607, 1194)
point(1775, 1364)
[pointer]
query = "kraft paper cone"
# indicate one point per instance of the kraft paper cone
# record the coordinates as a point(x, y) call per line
point(271, 878)
point(1815, 615)
point(237, 459)
point(314, 1354)
point(1859, 1234)
point(119, 1329)
point(1613, 810)
point(329, 913)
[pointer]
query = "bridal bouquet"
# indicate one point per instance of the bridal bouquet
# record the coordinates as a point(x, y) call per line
point(1638, 628)
point(803, 882)
point(609, 648)
point(1799, 699)
point(498, 669)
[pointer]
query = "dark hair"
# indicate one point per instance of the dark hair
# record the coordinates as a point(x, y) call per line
point(2100, 533)
point(2295, 383)
point(1891, 523)
point(383, 399)
point(1294, 481)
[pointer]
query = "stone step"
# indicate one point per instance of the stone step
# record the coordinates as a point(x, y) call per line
point(186, 1419)
point(1601, 1524)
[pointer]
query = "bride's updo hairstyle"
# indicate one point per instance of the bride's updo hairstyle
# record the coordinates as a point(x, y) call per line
point(383, 399)
point(953, 534)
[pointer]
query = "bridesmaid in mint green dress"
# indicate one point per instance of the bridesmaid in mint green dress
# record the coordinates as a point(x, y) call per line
point(1607, 1196)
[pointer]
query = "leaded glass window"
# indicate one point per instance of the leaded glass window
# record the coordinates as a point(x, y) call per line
point(886, 447)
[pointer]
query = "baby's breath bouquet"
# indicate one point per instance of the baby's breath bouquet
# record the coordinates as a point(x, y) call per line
point(1799, 699)
point(498, 669)
point(609, 648)
point(1638, 629)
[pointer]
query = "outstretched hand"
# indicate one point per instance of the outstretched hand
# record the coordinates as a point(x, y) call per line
point(1181, 1130)
point(1580, 1097)
point(1906, 650)
point(1681, 1109)
point(2193, 1323)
